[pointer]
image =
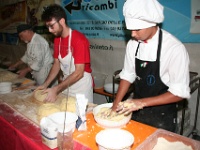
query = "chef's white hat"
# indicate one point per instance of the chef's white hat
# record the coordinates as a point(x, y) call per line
point(140, 14)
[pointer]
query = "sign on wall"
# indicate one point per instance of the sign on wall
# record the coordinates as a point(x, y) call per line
point(104, 19)
point(11, 15)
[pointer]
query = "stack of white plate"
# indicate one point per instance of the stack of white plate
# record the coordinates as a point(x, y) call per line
point(109, 87)
point(5, 87)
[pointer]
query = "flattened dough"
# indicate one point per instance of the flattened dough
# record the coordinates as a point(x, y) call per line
point(70, 103)
point(47, 109)
point(39, 96)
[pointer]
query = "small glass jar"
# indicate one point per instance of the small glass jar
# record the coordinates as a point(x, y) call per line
point(65, 139)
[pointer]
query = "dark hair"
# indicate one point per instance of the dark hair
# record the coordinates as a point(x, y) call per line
point(53, 11)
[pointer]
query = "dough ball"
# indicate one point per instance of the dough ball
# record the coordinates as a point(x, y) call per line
point(105, 111)
point(70, 104)
point(39, 96)
point(47, 109)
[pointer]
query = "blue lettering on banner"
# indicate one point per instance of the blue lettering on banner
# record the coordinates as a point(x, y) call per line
point(96, 18)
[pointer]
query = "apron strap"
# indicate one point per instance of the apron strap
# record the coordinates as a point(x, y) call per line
point(69, 41)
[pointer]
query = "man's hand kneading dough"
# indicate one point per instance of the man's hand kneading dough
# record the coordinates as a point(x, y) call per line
point(128, 106)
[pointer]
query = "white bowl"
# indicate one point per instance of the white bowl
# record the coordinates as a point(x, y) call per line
point(58, 118)
point(114, 139)
point(109, 87)
point(5, 87)
point(108, 123)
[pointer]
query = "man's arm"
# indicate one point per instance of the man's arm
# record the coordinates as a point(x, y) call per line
point(136, 104)
point(122, 90)
point(53, 73)
point(70, 80)
point(22, 73)
point(14, 66)
point(162, 99)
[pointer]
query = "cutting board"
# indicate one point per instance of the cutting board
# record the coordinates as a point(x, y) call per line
point(8, 76)
point(23, 101)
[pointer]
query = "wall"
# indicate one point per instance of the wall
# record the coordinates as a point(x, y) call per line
point(12, 53)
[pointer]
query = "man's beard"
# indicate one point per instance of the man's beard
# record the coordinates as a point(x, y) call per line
point(58, 34)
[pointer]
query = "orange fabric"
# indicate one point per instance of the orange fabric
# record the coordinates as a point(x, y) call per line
point(26, 81)
point(140, 132)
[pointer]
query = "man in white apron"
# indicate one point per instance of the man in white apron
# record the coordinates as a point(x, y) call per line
point(71, 55)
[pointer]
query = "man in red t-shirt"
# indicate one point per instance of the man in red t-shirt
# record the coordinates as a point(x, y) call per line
point(71, 55)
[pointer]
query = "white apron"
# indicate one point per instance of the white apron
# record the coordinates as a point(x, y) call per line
point(82, 86)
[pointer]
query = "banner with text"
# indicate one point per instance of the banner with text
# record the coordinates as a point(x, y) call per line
point(104, 19)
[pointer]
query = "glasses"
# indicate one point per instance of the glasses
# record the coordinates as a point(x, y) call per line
point(51, 26)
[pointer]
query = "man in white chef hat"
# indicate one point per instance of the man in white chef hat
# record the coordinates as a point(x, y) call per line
point(157, 63)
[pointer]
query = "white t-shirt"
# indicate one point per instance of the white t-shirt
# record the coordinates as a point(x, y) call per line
point(174, 62)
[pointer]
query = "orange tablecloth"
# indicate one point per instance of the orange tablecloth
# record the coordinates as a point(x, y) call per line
point(19, 133)
point(140, 132)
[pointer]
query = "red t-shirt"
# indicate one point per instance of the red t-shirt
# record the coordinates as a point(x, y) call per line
point(81, 50)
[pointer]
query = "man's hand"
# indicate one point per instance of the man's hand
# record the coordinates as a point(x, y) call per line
point(51, 94)
point(22, 73)
point(12, 67)
point(128, 106)
point(41, 87)
point(109, 113)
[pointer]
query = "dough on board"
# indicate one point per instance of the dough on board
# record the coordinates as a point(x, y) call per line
point(7, 76)
point(47, 109)
point(70, 104)
point(39, 96)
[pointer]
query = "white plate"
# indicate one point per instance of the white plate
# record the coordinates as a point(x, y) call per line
point(5, 87)
point(109, 87)
point(114, 139)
